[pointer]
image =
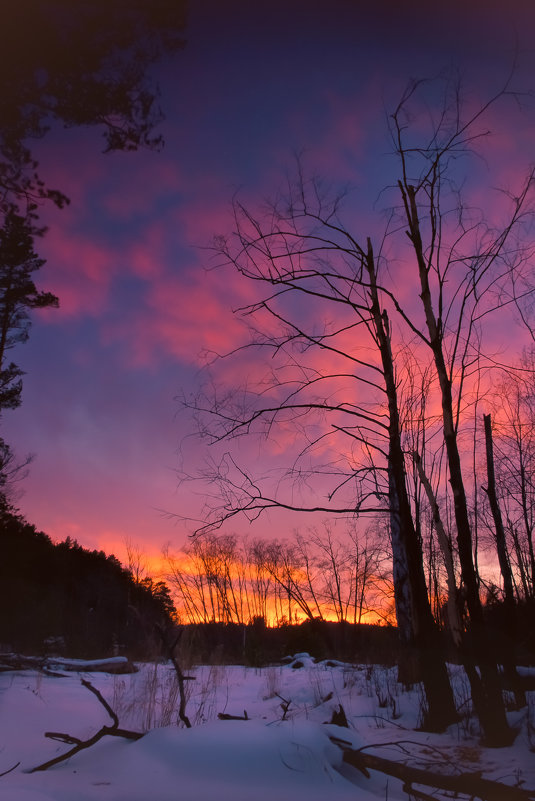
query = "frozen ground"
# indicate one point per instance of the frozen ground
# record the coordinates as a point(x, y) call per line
point(275, 754)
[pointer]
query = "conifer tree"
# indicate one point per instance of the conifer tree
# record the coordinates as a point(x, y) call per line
point(18, 295)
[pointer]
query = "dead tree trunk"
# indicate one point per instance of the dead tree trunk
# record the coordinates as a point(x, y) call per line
point(424, 634)
point(486, 687)
point(454, 617)
point(505, 567)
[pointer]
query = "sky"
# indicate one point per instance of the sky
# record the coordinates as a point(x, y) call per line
point(255, 84)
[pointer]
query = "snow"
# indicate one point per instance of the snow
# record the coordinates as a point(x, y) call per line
point(283, 751)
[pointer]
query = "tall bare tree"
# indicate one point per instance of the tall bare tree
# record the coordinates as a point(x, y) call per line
point(349, 406)
point(334, 320)
point(514, 440)
point(465, 269)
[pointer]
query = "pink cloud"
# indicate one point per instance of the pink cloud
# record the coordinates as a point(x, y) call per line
point(181, 316)
point(79, 271)
point(146, 257)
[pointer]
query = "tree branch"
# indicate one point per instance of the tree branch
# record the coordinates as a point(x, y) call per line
point(80, 745)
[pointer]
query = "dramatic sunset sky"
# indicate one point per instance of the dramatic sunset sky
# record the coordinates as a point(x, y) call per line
point(257, 82)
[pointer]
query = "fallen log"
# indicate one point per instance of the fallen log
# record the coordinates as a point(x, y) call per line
point(113, 664)
point(471, 784)
point(51, 665)
point(79, 745)
point(20, 662)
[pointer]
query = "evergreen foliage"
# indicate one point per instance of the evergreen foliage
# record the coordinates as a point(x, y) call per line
point(65, 597)
point(79, 64)
point(68, 64)
point(18, 294)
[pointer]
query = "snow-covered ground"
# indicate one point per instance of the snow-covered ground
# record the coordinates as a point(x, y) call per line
point(282, 751)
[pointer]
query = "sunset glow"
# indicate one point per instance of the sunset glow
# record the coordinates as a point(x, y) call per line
point(143, 306)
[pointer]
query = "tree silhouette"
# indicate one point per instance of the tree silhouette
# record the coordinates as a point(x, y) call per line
point(83, 598)
point(337, 324)
point(18, 294)
point(79, 64)
point(70, 64)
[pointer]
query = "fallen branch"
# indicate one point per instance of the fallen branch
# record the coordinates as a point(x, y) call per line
point(225, 716)
point(79, 745)
point(471, 784)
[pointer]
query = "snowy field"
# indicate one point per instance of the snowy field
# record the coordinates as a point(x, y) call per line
point(282, 751)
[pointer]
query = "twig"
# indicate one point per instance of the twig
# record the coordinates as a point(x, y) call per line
point(417, 794)
point(5, 772)
point(98, 694)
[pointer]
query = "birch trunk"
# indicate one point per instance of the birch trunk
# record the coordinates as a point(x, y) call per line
point(486, 688)
point(412, 600)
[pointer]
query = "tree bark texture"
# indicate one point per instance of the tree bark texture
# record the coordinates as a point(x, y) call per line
point(425, 637)
point(454, 618)
point(486, 687)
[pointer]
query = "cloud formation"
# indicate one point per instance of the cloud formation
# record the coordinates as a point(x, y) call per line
point(140, 312)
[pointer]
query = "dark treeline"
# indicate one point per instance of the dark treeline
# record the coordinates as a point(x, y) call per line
point(256, 644)
point(62, 597)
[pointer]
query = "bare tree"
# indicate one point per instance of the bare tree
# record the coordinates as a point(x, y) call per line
point(334, 321)
point(505, 566)
point(283, 561)
point(315, 576)
point(514, 423)
point(260, 579)
point(302, 248)
point(136, 560)
point(313, 568)
point(186, 576)
point(366, 556)
point(464, 267)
